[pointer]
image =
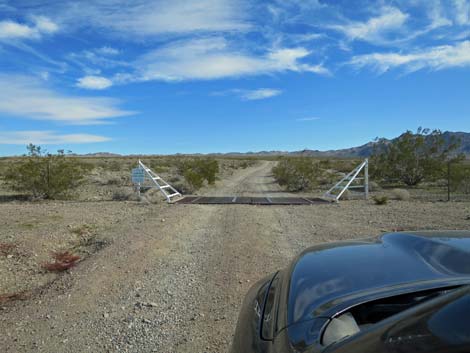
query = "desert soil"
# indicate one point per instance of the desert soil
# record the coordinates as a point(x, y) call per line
point(170, 278)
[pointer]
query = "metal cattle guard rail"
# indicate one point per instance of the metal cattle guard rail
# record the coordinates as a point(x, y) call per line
point(160, 184)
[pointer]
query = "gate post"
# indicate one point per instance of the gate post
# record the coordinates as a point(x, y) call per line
point(366, 179)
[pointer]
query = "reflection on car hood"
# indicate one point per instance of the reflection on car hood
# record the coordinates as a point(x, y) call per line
point(330, 275)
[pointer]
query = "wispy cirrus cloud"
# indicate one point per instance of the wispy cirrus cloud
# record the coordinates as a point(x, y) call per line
point(137, 19)
point(214, 58)
point(47, 138)
point(261, 93)
point(310, 118)
point(26, 97)
point(375, 29)
point(462, 11)
point(434, 58)
point(250, 94)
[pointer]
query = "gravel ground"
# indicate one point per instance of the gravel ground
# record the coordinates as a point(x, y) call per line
point(172, 277)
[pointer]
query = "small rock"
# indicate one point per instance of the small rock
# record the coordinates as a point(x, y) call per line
point(105, 315)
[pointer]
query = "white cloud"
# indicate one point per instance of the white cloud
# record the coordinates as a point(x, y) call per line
point(108, 51)
point(47, 138)
point(13, 30)
point(462, 11)
point(45, 25)
point(212, 58)
point(435, 58)
point(135, 19)
point(94, 82)
point(391, 19)
point(312, 118)
point(27, 97)
point(253, 94)
point(261, 93)
point(10, 30)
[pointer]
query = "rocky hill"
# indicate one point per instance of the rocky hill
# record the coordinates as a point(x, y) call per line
point(367, 149)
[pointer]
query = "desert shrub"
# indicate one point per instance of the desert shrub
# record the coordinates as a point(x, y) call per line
point(460, 178)
point(124, 195)
point(197, 170)
point(325, 164)
point(62, 261)
point(45, 175)
point(373, 186)
point(400, 194)
point(297, 174)
point(114, 166)
point(114, 181)
point(380, 200)
point(412, 157)
point(81, 230)
point(194, 179)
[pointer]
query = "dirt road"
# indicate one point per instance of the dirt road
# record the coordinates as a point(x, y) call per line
point(174, 276)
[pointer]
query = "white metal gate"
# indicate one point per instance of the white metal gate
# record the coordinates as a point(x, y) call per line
point(351, 181)
point(166, 189)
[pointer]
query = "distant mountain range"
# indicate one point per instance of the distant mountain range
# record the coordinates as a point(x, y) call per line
point(358, 152)
point(367, 149)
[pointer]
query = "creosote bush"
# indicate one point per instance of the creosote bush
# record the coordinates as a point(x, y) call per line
point(297, 174)
point(45, 175)
point(460, 178)
point(414, 157)
point(196, 171)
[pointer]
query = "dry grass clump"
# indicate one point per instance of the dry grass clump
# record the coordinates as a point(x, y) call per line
point(380, 200)
point(373, 186)
point(346, 195)
point(62, 261)
point(400, 194)
point(82, 230)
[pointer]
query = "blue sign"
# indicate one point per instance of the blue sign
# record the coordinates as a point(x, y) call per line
point(138, 175)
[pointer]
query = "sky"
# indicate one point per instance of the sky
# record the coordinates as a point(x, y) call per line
point(186, 76)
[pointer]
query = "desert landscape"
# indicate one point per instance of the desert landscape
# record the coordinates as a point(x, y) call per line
point(159, 277)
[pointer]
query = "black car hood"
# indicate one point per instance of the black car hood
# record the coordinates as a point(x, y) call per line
point(328, 278)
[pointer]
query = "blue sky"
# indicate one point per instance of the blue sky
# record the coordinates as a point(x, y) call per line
point(156, 76)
